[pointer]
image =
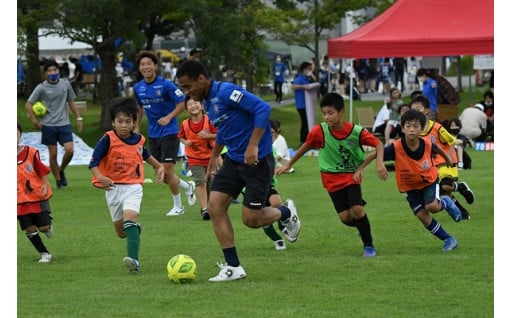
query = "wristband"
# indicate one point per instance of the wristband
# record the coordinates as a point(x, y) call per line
point(79, 118)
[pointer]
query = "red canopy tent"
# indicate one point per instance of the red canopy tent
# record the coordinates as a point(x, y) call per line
point(422, 28)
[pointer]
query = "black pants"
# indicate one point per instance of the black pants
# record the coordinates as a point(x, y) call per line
point(304, 129)
point(278, 89)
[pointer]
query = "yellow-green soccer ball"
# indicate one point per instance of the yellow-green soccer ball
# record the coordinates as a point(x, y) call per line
point(181, 269)
point(39, 109)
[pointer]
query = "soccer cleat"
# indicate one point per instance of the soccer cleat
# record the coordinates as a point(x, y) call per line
point(291, 228)
point(49, 233)
point(228, 273)
point(176, 211)
point(466, 192)
point(204, 214)
point(452, 209)
point(280, 245)
point(45, 258)
point(369, 251)
point(191, 193)
point(465, 215)
point(450, 244)
point(132, 264)
point(63, 179)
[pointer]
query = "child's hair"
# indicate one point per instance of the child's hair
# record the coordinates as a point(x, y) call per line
point(19, 128)
point(393, 89)
point(123, 105)
point(448, 122)
point(489, 94)
point(402, 106)
point(333, 99)
point(276, 125)
point(413, 115)
point(303, 66)
point(50, 63)
point(192, 69)
point(187, 99)
point(142, 54)
point(421, 100)
point(415, 94)
point(423, 71)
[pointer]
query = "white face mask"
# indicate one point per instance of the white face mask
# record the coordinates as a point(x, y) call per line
point(278, 60)
point(309, 73)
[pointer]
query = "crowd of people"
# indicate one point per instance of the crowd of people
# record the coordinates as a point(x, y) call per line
point(234, 147)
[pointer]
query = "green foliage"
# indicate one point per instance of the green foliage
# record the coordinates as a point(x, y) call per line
point(466, 66)
point(321, 275)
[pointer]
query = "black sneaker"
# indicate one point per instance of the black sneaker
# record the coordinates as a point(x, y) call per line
point(63, 180)
point(204, 214)
point(59, 184)
point(466, 192)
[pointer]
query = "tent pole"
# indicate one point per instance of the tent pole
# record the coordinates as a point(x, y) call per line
point(350, 87)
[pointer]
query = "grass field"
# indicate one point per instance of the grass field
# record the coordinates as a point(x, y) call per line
point(321, 275)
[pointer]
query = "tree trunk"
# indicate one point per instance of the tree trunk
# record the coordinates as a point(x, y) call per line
point(33, 73)
point(107, 86)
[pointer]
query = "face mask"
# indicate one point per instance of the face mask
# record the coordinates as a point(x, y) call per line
point(53, 77)
point(309, 73)
point(455, 131)
point(278, 60)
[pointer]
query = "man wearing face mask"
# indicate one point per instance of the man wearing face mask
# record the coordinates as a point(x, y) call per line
point(57, 95)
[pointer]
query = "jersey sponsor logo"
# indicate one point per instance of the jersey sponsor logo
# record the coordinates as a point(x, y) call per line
point(178, 92)
point(236, 96)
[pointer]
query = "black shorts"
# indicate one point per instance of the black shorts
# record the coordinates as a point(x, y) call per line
point(257, 180)
point(38, 219)
point(165, 149)
point(347, 197)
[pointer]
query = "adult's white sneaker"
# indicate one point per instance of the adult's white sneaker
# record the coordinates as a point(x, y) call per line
point(228, 273)
point(292, 225)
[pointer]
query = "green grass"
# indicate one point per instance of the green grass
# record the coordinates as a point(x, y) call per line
point(321, 275)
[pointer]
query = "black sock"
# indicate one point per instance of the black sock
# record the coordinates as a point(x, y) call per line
point(285, 212)
point(231, 256)
point(363, 226)
point(271, 233)
point(36, 240)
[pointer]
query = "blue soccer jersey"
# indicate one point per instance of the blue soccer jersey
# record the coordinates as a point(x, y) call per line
point(236, 112)
point(158, 99)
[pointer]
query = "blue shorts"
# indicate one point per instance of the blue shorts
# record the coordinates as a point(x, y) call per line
point(419, 198)
point(347, 197)
point(50, 135)
point(257, 180)
point(165, 149)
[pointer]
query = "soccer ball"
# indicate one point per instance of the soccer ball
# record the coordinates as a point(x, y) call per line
point(39, 109)
point(181, 269)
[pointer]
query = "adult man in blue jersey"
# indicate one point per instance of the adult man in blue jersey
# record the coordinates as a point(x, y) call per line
point(162, 101)
point(242, 121)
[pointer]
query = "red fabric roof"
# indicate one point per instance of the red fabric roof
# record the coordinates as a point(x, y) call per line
point(422, 28)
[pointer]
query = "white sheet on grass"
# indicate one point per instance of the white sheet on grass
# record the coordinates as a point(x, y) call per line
point(82, 154)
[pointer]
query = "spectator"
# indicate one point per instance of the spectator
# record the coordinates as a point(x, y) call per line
point(488, 103)
point(324, 77)
point(393, 102)
point(278, 71)
point(300, 85)
point(381, 119)
point(429, 91)
point(58, 96)
point(474, 123)
point(399, 67)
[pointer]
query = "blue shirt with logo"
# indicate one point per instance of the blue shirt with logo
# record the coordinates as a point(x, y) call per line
point(235, 113)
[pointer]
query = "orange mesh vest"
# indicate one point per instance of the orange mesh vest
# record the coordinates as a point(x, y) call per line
point(433, 135)
point(200, 148)
point(413, 174)
point(29, 183)
point(123, 162)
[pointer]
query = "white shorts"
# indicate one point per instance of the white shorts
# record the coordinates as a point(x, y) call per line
point(123, 197)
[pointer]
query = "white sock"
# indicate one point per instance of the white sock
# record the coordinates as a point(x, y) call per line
point(177, 200)
point(184, 184)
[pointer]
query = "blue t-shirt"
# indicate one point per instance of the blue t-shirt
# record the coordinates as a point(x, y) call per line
point(278, 70)
point(300, 93)
point(235, 113)
point(430, 93)
point(158, 99)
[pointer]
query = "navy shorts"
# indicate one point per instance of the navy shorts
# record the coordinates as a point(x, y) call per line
point(419, 198)
point(256, 179)
point(50, 135)
point(165, 149)
point(347, 197)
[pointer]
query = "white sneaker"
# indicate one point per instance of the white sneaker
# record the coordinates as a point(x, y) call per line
point(191, 193)
point(228, 273)
point(132, 265)
point(292, 225)
point(176, 211)
point(280, 245)
point(45, 258)
point(49, 233)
